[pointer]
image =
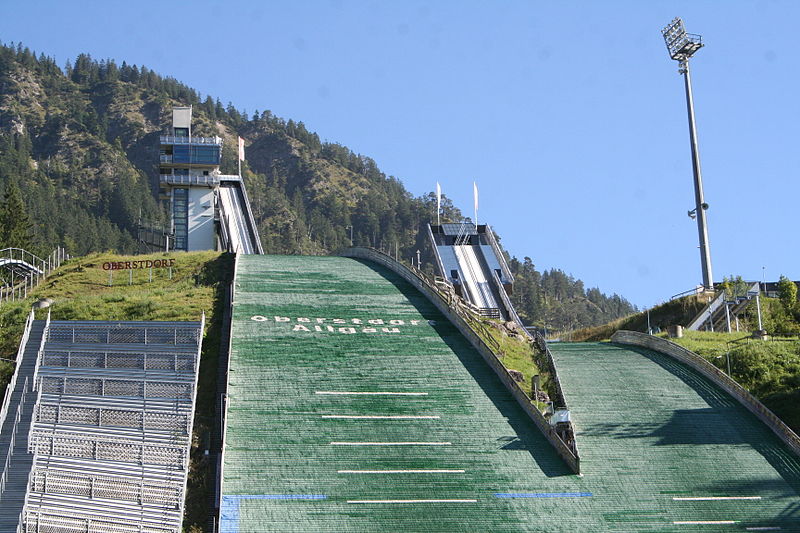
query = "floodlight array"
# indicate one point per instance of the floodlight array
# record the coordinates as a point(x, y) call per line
point(681, 45)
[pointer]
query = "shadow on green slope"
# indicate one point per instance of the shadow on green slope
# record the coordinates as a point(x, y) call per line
point(527, 436)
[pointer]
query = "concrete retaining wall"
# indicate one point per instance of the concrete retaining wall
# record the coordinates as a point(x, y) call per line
point(693, 360)
point(572, 460)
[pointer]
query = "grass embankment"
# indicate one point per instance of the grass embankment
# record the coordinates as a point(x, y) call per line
point(770, 369)
point(678, 311)
point(81, 290)
point(517, 353)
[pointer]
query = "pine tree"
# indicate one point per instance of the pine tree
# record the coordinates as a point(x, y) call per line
point(15, 224)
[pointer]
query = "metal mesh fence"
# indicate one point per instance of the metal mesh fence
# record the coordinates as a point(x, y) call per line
point(173, 362)
point(114, 333)
point(42, 522)
point(173, 455)
point(116, 388)
point(176, 423)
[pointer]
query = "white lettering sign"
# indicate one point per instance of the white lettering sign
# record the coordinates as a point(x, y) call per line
point(345, 326)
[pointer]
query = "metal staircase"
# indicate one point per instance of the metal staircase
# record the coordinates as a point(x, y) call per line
point(14, 431)
point(717, 314)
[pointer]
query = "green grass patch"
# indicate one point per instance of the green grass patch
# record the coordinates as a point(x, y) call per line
point(675, 312)
point(516, 353)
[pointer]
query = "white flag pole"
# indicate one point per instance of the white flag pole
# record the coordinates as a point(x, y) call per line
point(475, 194)
point(438, 203)
point(241, 155)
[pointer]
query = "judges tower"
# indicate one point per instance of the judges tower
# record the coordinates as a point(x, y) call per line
point(189, 177)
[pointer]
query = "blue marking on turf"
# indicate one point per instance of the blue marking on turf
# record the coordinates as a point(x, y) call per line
point(283, 497)
point(229, 509)
point(542, 494)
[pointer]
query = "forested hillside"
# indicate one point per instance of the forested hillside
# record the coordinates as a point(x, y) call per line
point(78, 168)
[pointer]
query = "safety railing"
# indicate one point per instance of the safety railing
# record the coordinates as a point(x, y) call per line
point(191, 417)
point(500, 257)
point(436, 252)
point(121, 333)
point(13, 383)
point(172, 139)
point(560, 400)
point(696, 290)
point(39, 352)
point(13, 440)
point(26, 271)
point(223, 397)
point(183, 179)
point(248, 214)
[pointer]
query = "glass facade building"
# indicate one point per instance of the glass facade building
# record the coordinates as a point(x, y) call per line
point(196, 154)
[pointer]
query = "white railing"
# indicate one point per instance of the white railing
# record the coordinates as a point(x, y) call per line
point(12, 384)
point(38, 268)
point(172, 139)
point(12, 442)
point(500, 257)
point(187, 456)
point(20, 522)
point(182, 179)
point(435, 252)
point(45, 332)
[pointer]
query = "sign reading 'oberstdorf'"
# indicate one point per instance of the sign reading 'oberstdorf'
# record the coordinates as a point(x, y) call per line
point(132, 265)
point(341, 325)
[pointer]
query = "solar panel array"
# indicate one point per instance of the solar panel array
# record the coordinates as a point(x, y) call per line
point(112, 427)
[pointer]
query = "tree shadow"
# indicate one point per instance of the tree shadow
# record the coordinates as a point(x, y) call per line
point(686, 426)
point(527, 436)
point(725, 421)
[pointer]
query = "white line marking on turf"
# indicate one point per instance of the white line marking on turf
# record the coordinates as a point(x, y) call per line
point(770, 528)
point(440, 471)
point(705, 522)
point(350, 393)
point(713, 498)
point(382, 417)
point(335, 443)
point(412, 501)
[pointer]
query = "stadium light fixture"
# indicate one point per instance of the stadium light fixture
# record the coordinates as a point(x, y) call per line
point(681, 46)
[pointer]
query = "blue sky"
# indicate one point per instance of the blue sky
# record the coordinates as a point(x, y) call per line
point(569, 115)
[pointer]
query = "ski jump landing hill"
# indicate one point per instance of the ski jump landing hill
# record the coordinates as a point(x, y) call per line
point(354, 404)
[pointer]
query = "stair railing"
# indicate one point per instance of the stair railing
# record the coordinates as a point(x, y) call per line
point(13, 383)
